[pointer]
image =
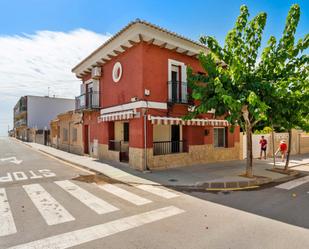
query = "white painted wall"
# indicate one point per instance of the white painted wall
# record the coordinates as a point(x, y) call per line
point(256, 144)
point(41, 110)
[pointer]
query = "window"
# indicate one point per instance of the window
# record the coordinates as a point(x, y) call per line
point(126, 132)
point(74, 135)
point(65, 134)
point(177, 85)
point(219, 137)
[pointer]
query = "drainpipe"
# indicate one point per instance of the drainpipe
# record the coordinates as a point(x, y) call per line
point(69, 136)
point(145, 138)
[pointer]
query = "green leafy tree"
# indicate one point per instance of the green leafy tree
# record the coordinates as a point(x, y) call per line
point(232, 85)
point(285, 66)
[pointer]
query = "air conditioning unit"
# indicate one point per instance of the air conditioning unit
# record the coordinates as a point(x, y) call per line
point(134, 99)
point(147, 92)
point(96, 72)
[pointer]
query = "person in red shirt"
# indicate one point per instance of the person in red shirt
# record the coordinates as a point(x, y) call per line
point(263, 143)
point(283, 149)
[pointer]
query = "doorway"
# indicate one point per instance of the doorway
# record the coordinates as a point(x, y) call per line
point(175, 83)
point(86, 139)
point(175, 137)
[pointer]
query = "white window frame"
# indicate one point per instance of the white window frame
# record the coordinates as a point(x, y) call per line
point(184, 89)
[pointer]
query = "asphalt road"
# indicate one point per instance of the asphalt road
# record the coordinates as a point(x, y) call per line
point(43, 205)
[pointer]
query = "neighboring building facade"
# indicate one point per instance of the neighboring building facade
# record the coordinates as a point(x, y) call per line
point(137, 86)
point(67, 132)
point(32, 115)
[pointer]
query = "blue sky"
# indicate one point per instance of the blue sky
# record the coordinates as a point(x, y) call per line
point(43, 39)
point(191, 18)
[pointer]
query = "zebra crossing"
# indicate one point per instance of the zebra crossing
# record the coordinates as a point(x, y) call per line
point(294, 183)
point(53, 212)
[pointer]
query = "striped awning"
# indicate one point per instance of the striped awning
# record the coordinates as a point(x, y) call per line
point(125, 115)
point(179, 121)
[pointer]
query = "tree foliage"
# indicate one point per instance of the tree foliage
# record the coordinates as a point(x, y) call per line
point(285, 65)
point(241, 88)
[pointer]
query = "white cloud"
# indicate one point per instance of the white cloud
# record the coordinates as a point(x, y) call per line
point(29, 64)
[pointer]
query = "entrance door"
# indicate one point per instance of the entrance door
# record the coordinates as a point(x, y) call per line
point(86, 139)
point(175, 138)
point(124, 152)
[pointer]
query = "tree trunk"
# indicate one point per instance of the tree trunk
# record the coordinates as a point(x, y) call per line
point(248, 127)
point(273, 143)
point(249, 163)
point(289, 151)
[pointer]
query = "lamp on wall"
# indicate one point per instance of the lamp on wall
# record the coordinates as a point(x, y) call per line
point(206, 132)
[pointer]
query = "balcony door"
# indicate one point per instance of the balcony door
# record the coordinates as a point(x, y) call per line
point(89, 95)
point(175, 83)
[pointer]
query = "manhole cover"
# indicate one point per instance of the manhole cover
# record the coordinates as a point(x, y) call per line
point(173, 180)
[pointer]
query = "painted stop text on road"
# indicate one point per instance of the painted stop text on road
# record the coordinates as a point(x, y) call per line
point(26, 175)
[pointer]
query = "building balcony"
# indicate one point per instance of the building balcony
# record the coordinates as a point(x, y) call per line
point(20, 110)
point(177, 92)
point(20, 122)
point(169, 147)
point(87, 101)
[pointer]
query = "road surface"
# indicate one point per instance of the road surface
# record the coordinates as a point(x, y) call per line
point(47, 203)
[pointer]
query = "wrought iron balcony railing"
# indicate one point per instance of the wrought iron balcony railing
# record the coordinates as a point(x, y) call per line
point(20, 122)
point(87, 101)
point(169, 147)
point(177, 92)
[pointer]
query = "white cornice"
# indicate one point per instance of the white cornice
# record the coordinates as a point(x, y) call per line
point(135, 32)
point(135, 105)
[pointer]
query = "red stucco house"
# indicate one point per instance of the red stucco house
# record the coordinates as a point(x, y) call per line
point(134, 95)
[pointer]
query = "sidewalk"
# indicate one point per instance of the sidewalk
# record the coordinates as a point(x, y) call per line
point(210, 176)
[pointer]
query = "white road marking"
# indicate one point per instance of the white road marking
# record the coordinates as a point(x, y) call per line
point(93, 202)
point(158, 191)
point(51, 210)
point(7, 225)
point(12, 159)
point(77, 237)
point(123, 194)
point(293, 184)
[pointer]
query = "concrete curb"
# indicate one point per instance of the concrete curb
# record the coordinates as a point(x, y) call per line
point(206, 186)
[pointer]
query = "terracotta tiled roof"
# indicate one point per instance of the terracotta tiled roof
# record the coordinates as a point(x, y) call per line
point(141, 22)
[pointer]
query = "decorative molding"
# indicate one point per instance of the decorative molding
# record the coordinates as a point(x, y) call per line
point(185, 52)
point(132, 42)
point(134, 105)
point(117, 72)
point(123, 47)
point(163, 45)
point(149, 42)
point(116, 52)
point(140, 36)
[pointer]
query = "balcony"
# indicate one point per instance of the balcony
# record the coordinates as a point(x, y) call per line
point(169, 147)
point(177, 92)
point(87, 101)
point(20, 110)
point(20, 122)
